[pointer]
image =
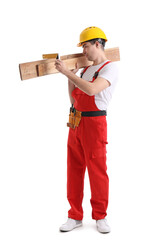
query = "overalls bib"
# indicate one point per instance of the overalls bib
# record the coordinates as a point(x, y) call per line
point(87, 148)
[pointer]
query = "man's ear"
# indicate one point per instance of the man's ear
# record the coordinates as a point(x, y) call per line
point(97, 44)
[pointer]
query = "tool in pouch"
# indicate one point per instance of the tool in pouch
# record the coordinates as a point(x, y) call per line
point(74, 118)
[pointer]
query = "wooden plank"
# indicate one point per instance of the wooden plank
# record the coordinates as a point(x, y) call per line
point(44, 67)
point(111, 53)
point(29, 70)
point(49, 68)
point(70, 61)
point(76, 55)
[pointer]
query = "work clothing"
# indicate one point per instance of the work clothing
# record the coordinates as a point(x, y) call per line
point(108, 72)
point(87, 148)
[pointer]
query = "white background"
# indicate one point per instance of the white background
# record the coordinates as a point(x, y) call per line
point(33, 116)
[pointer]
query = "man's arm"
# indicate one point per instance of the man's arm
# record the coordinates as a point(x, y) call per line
point(71, 87)
point(89, 88)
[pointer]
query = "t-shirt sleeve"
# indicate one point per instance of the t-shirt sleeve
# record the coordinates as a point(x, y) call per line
point(109, 72)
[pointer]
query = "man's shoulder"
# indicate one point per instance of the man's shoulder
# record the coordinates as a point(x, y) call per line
point(111, 66)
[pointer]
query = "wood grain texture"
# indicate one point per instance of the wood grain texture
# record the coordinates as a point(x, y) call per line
point(30, 69)
point(45, 67)
point(49, 68)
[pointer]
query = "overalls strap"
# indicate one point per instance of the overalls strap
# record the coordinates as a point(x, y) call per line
point(97, 72)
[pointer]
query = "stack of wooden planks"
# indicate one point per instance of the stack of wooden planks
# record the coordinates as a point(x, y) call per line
point(47, 65)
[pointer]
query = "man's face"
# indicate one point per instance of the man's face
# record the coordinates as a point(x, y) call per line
point(89, 51)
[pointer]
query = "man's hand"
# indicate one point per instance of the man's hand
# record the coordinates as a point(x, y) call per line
point(61, 67)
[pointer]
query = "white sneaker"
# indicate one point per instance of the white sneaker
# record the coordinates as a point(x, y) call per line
point(70, 225)
point(103, 226)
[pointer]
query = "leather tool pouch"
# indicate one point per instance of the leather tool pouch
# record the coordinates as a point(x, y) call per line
point(74, 118)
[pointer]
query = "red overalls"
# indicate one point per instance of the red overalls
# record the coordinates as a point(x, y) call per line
point(87, 148)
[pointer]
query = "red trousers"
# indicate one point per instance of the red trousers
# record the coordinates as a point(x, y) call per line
point(87, 148)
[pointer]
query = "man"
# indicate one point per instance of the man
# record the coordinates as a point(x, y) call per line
point(90, 94)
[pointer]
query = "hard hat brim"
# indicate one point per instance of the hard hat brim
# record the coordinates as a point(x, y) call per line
point(79, 44)
point(82, 43)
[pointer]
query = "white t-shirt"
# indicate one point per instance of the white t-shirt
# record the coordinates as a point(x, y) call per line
point(108, 72)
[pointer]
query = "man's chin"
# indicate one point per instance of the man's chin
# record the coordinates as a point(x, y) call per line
point(89, 58)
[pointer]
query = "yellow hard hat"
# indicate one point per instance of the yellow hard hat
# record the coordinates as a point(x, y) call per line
point(91, 33)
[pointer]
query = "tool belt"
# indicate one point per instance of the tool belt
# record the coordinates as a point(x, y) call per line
point(75, 116)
